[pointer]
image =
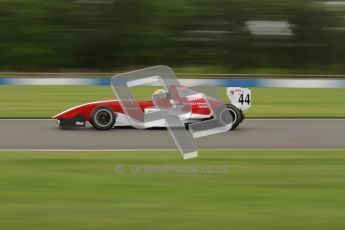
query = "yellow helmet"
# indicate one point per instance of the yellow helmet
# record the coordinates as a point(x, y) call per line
point(159, 91)
point(160, 94)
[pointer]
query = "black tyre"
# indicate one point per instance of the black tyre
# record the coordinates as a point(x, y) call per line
point(103, 118)
point(237, 115)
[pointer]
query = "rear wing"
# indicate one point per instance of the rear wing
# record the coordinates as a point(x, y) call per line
point(239, 97)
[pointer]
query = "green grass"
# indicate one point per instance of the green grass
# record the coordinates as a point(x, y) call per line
point(46, 101)
point(262, 190)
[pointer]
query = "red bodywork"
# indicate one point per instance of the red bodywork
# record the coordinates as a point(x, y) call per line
point(197, 105)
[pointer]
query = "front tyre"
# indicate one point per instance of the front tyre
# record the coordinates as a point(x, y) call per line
point(237, 115)
point(103, 118)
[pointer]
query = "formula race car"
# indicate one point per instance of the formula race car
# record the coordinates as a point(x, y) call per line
point(105, 115)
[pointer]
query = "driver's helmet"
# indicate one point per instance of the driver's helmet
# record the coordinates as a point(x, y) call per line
point(160, 94)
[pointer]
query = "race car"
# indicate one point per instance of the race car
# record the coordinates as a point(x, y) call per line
point(105, 115)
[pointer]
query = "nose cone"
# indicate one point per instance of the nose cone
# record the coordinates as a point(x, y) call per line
point(84, 109)
point(60, 115)
point(57, 116)
point(70, 113)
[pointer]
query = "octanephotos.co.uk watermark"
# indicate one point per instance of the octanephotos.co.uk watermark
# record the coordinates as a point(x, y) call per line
point(171, 169)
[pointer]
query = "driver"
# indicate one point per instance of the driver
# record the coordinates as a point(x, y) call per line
point(160, 94)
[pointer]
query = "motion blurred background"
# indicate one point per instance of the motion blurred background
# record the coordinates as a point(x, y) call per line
point(197, 36)
point(266, 188)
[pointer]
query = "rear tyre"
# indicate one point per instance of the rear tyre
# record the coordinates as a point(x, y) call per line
point(103, 118)
point(237, 115)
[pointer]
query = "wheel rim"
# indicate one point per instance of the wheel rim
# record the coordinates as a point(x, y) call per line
point(228, 116)
point(103, 118)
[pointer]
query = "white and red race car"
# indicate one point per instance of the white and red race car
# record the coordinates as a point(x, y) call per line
point(105, 115)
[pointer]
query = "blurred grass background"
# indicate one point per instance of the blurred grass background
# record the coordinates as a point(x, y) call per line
point(44, 102)
point(263, 190)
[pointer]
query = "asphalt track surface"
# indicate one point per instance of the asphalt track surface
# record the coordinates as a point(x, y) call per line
point(252, 134)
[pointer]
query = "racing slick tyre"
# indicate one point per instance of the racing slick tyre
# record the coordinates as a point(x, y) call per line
point(237, 115)
point(103, 118)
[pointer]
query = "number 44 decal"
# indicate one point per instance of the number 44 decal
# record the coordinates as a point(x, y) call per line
point(244, 99)
point(239, 97)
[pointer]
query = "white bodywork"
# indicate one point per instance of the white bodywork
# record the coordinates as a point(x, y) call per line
point(239, 97)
